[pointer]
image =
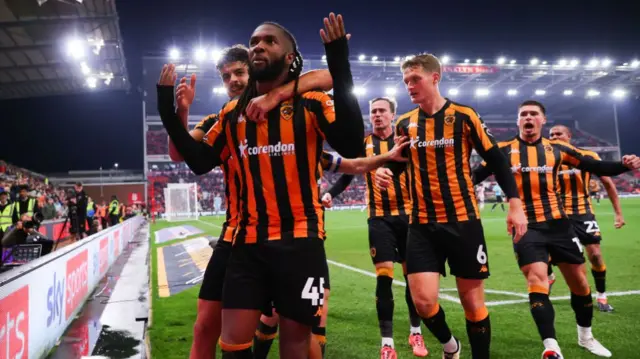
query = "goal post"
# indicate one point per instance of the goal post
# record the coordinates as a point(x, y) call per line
point(181, 201)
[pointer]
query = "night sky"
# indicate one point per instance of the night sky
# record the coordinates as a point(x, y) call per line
point(84, 132)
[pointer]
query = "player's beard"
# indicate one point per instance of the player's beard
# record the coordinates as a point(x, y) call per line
point(270, 72)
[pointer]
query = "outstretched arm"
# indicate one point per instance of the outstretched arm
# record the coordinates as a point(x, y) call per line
point(574, 158)
point(345, 131)
point(353, 166)
point(259, 107)
point(200, 157)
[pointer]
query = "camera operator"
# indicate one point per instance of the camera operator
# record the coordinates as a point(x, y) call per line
point(25, 205)
point(76, 224)
point(82, 202)
point(26, 232)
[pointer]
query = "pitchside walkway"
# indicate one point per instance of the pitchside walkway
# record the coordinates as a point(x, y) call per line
point(114, 320)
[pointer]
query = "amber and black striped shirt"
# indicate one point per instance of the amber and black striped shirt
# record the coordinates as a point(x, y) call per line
point(574, 189)
point(231, 184)
point(277, 163)
point(439, 169)
point(393, 201)
point(536, 166)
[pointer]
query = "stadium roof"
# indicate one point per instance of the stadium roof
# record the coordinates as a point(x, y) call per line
point(59, 47)
point(561, 84)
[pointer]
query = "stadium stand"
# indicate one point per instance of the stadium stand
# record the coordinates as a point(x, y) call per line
point(208, 185)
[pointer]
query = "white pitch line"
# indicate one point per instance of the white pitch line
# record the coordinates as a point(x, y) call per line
point(396, 282)
point(209, 224)
point(565, 297)
point(491, 291)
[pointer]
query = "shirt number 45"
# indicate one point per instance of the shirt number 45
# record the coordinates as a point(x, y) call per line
point(312, 292)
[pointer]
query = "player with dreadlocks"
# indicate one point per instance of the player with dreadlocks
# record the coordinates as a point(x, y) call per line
point(278, 252)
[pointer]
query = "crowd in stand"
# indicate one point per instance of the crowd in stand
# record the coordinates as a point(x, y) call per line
point(212, 183)
point(52, 200)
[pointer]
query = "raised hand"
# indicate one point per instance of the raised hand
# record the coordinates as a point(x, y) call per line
point(395, 154)
point(327, 200)
point(333, 29)
point(384, 176)
point(259, 107)
point(631, 161)
point(168, 75)
point(186, 92)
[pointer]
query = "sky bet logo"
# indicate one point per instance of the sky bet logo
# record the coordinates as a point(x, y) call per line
point(14, 325)
point(279, 149)
point(55, 300)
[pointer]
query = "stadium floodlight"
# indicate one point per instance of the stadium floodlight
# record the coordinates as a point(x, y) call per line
point(115, 165)
point(593, 93)
point(408, 57)
point(466, 61)
point(540, 92)
point(324, 57)
point(482, 92)
point(359, 90)
point(512, 92)
point(200, 54)
point(568, 92)
point(85, 68)
point(216, 55)
point(374, 59)
point(562, 62)
point(635, 63)
point(453, 92)
point(574, 62)
point(534, 61)
point(362, 57)
point(478, 61)
point(390, 91)
point(76, 49)
point(619, 93)
point(512, 62)
point(174, 54)
point(593, 63)
point(606, 62)
point(92, 82)
point(501, 60)
point(544, 62)
point(445, 59)
point(219, 90)
point(396, 59)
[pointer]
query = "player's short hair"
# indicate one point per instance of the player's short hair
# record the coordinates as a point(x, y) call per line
point(428, 62)
point(566, 128)
point(393, 105)
point(235, 53)
point(534, 103)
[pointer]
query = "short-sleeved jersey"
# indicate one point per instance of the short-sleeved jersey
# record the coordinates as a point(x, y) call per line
point(206, 123)
point(395, 200)
point(573, 189)
point(439, 168)
point(277, 163)
point(535, 167)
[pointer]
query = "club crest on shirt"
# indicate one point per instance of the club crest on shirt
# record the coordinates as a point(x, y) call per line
point(286, 110)
point(548, 148)
point(449, 119)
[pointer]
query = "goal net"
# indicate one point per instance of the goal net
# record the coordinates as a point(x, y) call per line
point(181, 201)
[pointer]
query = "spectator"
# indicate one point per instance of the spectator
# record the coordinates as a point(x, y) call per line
point(49, 211)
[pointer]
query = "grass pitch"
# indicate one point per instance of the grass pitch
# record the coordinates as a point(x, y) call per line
point(352, 330)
